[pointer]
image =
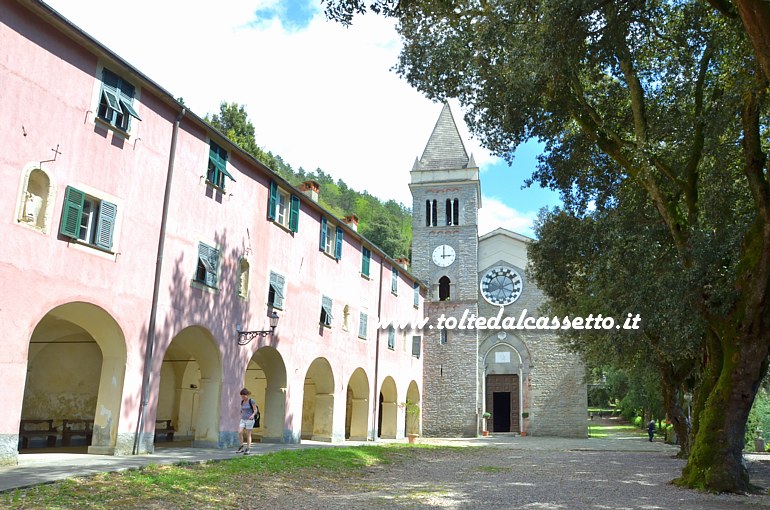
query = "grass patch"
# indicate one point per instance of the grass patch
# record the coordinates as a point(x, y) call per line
point(494, 469)
point(211, 485)
point(602, 431)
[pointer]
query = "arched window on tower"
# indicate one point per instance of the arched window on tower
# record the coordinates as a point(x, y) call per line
point(448, 212)
point(443, 288)
point(456, 212)
point(427, 213)
point(435, 213)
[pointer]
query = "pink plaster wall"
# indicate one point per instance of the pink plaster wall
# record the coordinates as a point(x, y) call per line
point(47, 82)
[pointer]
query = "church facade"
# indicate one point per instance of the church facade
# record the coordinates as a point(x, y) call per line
point(522, 378)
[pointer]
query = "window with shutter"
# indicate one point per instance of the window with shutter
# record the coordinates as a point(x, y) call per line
point(394, 280)
point(416, 294)
point(88, 219)
point(208, 261)
point(116, 101)
point(217, 167)
point(391, 338)
point(276, 291)
point(326, 312)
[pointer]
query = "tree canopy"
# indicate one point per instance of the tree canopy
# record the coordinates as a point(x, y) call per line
point(387, 224)
point(647, 105)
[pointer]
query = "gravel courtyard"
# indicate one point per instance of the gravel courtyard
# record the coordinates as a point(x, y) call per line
point(535, 475)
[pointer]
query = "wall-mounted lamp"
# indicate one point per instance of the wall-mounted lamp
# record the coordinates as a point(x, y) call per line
point(244, 337)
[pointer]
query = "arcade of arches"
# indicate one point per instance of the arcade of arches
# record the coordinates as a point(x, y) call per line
point(77, 363)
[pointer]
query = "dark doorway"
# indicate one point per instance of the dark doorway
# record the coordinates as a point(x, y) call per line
point(502, 400)
point(501, 417)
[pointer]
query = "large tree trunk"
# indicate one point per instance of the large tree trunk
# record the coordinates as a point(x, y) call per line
point(716, 457)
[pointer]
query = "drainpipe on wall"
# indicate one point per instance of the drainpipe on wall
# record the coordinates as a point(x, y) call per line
point(156, 287)
point(376, 403)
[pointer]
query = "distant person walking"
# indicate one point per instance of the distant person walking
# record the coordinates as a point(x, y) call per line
point(249, 413)
point(651, 429)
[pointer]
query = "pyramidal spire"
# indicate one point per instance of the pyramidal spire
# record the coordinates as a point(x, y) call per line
point(445, 149)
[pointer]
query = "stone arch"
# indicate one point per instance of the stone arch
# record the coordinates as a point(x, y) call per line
point(318, 402)
point(75, 371)
point(190, 387)
point(506, 364)
point(36, 197)
point(413, 409)
point(388, 415)
point(266, 379)
point(357, 406)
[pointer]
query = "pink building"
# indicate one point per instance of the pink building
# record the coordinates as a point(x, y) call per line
point(139, 243)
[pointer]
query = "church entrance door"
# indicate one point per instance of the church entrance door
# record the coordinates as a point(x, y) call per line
point(502, 400)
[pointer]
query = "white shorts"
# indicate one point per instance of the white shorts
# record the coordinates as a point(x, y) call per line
point(247, 424)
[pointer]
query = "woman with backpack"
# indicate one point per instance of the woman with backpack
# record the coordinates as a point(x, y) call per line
point(249, 414)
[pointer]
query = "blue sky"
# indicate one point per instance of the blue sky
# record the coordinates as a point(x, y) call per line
point(319, 94)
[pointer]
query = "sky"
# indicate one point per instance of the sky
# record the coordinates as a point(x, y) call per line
point(319, 95)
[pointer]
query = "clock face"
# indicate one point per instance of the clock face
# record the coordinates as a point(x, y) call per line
point(443, 255)
point(501, 286)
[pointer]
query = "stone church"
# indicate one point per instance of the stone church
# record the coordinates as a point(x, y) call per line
point(523, 378)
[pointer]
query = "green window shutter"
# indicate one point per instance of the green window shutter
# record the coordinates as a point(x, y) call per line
point(277, 282)
point(394, 279)
point(366, 260)
point(73, 209)
point(416, 341)
point(111, 98)
point(416, 294)
point(129, 108)
point(106, 225)
point(294, 214)
point(322, 244)
point(338, 247)
point(391, 338)
point(272, 202)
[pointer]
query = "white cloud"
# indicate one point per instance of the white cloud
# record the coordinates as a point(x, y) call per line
point(323, 96)
point(495, 214)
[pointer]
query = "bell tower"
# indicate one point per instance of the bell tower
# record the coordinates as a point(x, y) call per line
point(446, 194)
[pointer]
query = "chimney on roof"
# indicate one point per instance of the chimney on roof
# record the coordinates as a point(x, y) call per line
point(351, 220)
point(403, 262)
point(311, 189)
